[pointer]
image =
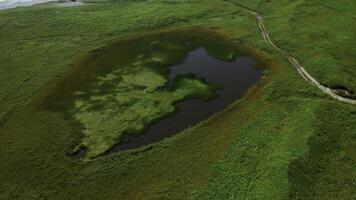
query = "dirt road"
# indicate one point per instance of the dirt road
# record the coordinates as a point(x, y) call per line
point(293, 61)
point(297, 65)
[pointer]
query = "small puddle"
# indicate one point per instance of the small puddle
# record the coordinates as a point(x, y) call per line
point(140, 91)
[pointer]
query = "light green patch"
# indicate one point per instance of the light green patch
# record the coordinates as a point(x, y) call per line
point(133, 102)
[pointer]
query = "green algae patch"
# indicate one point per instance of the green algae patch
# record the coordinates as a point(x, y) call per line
point(133, 103)
point(120, 89)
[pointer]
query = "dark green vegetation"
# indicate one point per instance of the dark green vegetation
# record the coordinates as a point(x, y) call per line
point(286, 140)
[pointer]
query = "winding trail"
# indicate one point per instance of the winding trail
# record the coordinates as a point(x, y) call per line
point(293, 61)
point(297, 65)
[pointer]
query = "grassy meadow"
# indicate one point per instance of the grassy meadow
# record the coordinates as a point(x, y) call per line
point(284, 140)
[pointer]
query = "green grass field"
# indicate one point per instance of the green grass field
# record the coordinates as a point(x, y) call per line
point(284, 140)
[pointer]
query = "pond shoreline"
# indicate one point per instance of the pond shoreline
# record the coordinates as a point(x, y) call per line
point(234, 71)
point(242, 49)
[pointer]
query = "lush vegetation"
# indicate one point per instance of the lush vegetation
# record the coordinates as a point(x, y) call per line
point(284, 140)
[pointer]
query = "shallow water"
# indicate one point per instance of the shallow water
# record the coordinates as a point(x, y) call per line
point(236, 77)
point(123, 95)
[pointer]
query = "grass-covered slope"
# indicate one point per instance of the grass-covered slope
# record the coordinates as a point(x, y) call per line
point(286, 140)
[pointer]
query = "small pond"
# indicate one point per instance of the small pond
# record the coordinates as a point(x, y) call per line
point(143, 90)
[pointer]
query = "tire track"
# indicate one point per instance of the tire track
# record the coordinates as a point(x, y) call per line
point(294, 62)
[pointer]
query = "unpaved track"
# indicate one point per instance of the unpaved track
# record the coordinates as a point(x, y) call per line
point(300, 69)
point(296, 64)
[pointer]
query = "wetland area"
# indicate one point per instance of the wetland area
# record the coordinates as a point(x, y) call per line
point(137, 92)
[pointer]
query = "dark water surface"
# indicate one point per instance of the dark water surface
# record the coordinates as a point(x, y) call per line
point(236, 77)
